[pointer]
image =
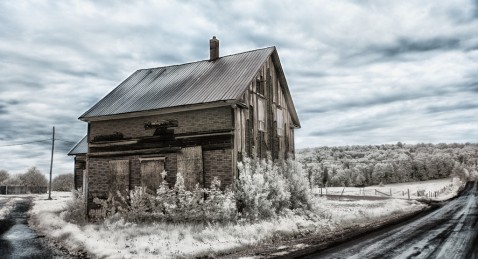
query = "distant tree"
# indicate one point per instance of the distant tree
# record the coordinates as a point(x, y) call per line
point(4, 175)
point(359, 179)
point(62, 183)
point(13, 181)
point(33, 177)
point(325, 176)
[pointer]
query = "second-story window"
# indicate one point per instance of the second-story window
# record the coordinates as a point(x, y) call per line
point(261, 114)
point(280, 122)
point(260, 85)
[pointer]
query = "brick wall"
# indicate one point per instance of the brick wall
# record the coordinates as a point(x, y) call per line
point(188, 121)
point(218, 163)
point(80, 165)
point(98, 170)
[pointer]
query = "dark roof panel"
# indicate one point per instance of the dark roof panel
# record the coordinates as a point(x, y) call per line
point(80, 148)
point(204, 81)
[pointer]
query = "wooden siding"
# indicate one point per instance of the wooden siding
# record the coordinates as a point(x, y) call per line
point(190, 165)
point(252, 141)
point(151, 170)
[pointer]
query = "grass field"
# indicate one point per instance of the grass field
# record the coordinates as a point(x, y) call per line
point(434, 189)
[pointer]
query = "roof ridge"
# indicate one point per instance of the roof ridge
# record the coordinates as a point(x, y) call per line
point(192, 62)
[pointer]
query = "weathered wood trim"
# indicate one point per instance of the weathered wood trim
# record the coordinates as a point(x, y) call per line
point(115, 143)
point(134, 152)
point(144, 159)
point(161, 111)
point(205, 135)
point(236, 142)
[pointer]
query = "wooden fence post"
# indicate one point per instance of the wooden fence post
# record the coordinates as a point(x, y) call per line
point(342, 193)
point(408, 190)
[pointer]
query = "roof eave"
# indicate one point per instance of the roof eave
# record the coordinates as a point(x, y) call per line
point(70, 153)
point(166, 110)
point(285, 87)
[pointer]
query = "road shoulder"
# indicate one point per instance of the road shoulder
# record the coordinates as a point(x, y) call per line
point(306, 245)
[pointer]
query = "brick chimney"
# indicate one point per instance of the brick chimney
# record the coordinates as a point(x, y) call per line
point(213, 48)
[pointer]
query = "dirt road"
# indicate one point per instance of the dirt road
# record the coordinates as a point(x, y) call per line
point(448, 232)
point(17, 239)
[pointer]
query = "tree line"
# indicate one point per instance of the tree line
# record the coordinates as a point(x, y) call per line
point(388, 163)
point(33, 177)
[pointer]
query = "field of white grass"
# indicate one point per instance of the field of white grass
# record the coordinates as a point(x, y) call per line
point(440, 189)
point(7, 203)
point(166, 240)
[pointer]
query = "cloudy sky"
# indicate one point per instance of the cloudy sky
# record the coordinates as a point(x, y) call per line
point(360, 72)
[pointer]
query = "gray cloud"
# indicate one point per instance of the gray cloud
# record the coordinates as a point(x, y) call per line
point(453, 107)
point(404, 45)
point(397, 70)
point(3, 109)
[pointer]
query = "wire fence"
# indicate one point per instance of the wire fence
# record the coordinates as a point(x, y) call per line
point(390, 192)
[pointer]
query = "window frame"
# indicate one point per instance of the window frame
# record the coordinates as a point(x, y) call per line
point(261, 105)
point(280, 129)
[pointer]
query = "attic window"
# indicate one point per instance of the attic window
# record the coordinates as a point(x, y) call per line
point(260, 85)
point(261, 115)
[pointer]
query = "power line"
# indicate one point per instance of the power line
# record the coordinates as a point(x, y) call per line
point(67, 141)
point(25, 143)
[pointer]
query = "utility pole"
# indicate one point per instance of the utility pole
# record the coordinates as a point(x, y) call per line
point(51, 162)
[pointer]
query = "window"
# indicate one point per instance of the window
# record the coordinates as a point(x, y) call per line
point(280, 96)
point(261, 114)
point(260, 85)
point(280, 122)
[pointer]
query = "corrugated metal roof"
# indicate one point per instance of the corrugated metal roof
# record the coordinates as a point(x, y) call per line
point(204, 81)
point(80, 148)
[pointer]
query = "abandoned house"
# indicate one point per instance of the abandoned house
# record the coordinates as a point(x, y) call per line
point(196, 118)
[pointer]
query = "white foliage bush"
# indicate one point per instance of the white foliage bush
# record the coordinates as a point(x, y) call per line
point(75, 209)
point(299, 185)
point(265, 189)
point(172, 204)
point(261, 190)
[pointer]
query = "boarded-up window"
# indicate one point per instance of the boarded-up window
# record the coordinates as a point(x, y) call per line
point(190, 166)
point(119, 177)
point(280, 96)
point(261, 114)
point(280, 122)
point(260, 85)
point(151, 169)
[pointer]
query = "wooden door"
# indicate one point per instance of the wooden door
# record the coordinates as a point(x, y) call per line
point(119, 177)
point(190, 165)
point(151, 169)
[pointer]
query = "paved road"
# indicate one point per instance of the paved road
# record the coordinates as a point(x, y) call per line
point(17, 240)
point(448, 232)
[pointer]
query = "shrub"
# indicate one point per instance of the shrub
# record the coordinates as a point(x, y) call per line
point(266, 189)
point(171, 204)
point(75, 209)
point(261, 190)
point(300, 193)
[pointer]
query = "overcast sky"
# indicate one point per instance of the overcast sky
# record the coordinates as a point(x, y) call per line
point(360, 72)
